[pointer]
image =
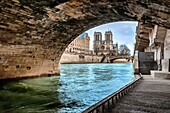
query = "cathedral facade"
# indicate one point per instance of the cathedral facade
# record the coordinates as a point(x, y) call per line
point(104, 47)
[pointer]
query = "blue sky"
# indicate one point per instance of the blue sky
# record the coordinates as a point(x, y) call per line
point(123, 33)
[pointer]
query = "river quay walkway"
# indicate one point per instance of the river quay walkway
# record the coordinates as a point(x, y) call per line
point(151, 95)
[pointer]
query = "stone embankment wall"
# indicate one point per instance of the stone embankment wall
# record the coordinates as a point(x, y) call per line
point(78, 58)
point(26, 61)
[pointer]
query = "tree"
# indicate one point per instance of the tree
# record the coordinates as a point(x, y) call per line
point(124, 50)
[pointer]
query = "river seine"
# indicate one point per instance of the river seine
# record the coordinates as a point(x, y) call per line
point(78, 87)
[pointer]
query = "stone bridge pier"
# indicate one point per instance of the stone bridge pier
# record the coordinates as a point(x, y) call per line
point(35, 33)
point(25, 61)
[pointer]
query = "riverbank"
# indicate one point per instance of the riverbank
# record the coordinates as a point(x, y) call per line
point(75, 58)
point(120, 61)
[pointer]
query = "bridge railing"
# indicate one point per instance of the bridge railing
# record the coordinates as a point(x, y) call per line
point(104, 105)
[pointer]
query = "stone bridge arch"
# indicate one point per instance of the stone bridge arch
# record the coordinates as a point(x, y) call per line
point(113, 58)
point(35, 33)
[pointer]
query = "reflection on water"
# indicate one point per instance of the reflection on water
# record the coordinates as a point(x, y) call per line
point(78, 87)
point(29, 96)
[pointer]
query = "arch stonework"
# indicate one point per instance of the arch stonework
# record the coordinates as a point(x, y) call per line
point(35, 33)
point(112, 58)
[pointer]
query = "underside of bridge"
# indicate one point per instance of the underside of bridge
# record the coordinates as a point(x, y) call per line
point(127, 58)
point(35, 33)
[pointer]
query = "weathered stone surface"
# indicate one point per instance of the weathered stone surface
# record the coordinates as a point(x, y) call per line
point(160, 74)
point(151, 95)
point(53, 24)
point(25, 61)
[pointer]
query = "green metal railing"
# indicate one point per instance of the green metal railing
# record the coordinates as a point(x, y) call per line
point(104, 105)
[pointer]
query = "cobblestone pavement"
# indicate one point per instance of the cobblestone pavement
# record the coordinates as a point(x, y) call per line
point(151, 95)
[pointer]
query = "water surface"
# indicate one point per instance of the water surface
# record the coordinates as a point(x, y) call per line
point(78, 87)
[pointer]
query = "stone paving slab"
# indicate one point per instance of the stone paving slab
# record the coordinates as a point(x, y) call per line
point(151, 95)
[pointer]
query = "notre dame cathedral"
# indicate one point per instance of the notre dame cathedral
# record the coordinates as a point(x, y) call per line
point(106, 46)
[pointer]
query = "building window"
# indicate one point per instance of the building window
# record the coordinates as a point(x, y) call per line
point(102, 47)
point(107, 36)
point(97, 37)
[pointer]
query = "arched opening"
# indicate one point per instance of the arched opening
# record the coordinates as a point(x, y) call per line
point(103, 41)
point(84, 72)
point(124, 51)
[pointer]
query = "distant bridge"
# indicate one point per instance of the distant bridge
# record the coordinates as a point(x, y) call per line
point(112, 58)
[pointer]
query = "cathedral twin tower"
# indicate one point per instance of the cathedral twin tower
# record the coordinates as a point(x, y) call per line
point(104, 47)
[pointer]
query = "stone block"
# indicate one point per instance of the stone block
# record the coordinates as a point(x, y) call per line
point(3, 26)
point(160, 74)
point(16, 1)
point(165, 65)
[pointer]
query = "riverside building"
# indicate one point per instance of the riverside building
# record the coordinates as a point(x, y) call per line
point(80, 45)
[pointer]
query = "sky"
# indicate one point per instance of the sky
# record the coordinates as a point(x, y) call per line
point(123, 33)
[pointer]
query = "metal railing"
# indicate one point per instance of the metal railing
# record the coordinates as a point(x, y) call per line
point(104, 105)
